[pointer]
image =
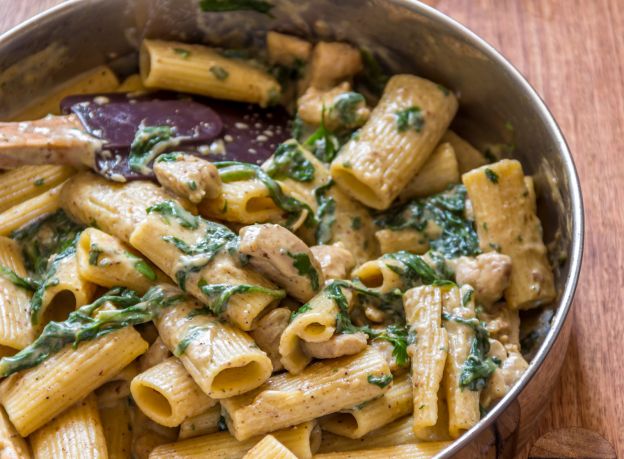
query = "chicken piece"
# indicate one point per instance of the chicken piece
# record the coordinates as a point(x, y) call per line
point(487, 273)
point(156, 354)
point(502, 380)
point(268, 332)
point(282, 257)
point(336, 262)
point(188, 176)
point(330, 64)
point(338, 108)
point(336, 346)
point(287, 50)
point(502, 323)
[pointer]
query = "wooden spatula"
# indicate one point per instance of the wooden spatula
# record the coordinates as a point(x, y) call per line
point(118, 135)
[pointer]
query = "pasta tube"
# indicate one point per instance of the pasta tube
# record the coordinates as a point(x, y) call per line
point(423, 313)
point(167, 394)
point(322, 388)
point(202, 424)
point(245, 201)
point(26, 182)
point(435, 176)
point(425, 450)
point(13, 445)
point(76, 433)
point(116, 424)
point(269, 446)
point(222, 360)
point(463, 404)
point(32, 397)
point(468, 157)
point(16, 331)
point(112, 207)
point(30, 210)
point(366, 417)
point(201, 70)
point(499, 199)
point(179, 251)
point(303, 440)
point(395, 142)
point(327, 201)
point(409, 240)
point(399, 432)
point(105, 260)
point(315, 324)
point(65, 290)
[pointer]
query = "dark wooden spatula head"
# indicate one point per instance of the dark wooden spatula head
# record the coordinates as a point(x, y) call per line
point(214, 129)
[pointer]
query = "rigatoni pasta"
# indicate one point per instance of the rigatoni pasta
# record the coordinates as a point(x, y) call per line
point(235, 298)
point(396, 141)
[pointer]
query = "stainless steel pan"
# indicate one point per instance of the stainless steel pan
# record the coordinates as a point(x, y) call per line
point(497, 106)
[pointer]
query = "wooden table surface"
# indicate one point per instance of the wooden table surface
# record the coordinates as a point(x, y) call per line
point(572, 52)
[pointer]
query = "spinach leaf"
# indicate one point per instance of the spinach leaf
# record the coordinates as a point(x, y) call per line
point(380, 381)
point(303, 265)
point(325, 213)
point(218, 295)
point(91, 322)
point(149, 141)
point(173, 209)
point(260, 6)
point(410, 118)
point(288, 161)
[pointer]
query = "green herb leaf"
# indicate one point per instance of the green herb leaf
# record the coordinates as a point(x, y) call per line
point(39, 182)
point(149, 142)
point(219, 72)
point(90, 322)
point(94, 254)
point(22, 282)
point(374, 77)
point(303, 265)
point(491, 175)
point(173, 209)
point(218, 295)
point(347, 105)
point(183, 53)
point(288, 161)
point(380, 381)
point(410, 118)
point(260, 6)
point(145, 270)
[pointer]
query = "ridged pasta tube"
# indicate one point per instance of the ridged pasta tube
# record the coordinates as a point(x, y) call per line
point(30, 210)
point(105, 260)
point(202, 424)
point(505, 220)
point(468, 157)
point(13, 445)
point(423, 314)
point(395, 142)
point(356, 422)
point(75, 433)
point(425, 450)
point(161, 242)
point(202, 70)
point(23, 183)
point(269, 446)
point(463, 404)
point(16, 330)
point(116, 424)
point(222, 360)
point(399, 432)
point(32, 397)
point(115, 208)
point(440, 171)
point(167, 394)
point(322, 388)
point(303, 440)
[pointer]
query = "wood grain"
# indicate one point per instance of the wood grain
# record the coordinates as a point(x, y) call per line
point(572, 52)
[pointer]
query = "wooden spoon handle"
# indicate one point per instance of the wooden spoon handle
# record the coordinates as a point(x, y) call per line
point(50, 140)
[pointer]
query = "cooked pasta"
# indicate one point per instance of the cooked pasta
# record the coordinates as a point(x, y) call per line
point(236, 296)
point(75, 433)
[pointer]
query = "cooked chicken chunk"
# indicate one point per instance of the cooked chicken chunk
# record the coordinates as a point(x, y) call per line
point(282, 257)
point(487, 273)
point(336, 261)
point(286, 49)
point(337, 108)
point(188, 176)
point(330, 64)
point(268, 332)
point(336, 346)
